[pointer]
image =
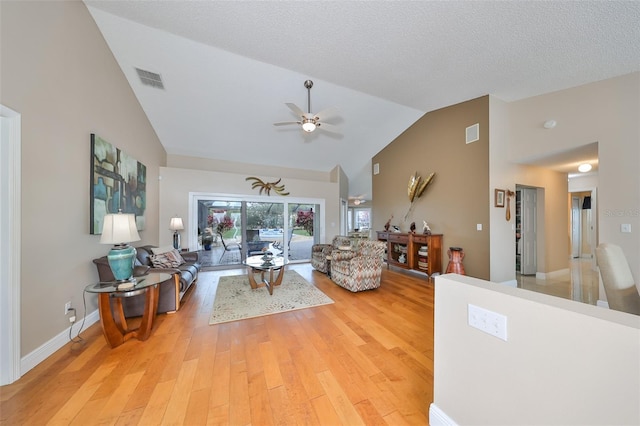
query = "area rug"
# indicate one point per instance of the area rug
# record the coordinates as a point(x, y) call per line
point(235, 300)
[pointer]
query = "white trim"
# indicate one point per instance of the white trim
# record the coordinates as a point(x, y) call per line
point(510, 283)
point(10, 247)
point(552, 274)
point(437, 417)
point(602, 304)
point(49, 348)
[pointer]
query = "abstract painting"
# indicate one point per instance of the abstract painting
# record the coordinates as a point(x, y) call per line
point(118, 183)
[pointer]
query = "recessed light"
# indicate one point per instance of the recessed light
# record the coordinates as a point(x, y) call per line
point(550, 124)
point(584, 168)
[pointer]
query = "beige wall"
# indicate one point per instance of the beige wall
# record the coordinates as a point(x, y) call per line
point(458, 198)
point(563, 363)
point(177, 183)
point(605, 112)
point(58, 73)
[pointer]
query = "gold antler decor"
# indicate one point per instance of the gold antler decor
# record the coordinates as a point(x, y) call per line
point(417, 185)
point(267, 186)
point(416, 188)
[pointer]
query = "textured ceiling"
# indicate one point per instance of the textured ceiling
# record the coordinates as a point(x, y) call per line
point(229, 67)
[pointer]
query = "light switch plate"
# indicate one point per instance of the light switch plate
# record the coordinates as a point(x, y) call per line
point(488, 321)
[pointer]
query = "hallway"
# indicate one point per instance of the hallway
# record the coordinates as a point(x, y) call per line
point(579, 284)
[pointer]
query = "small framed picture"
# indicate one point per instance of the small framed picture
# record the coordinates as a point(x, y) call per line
point(499, 197)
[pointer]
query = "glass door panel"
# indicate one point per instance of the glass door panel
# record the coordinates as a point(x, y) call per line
point(265, 228)
point(219, 232)
point(302, 230)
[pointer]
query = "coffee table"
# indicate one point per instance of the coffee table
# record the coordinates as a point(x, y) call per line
point(114, 323)
point(256, 264)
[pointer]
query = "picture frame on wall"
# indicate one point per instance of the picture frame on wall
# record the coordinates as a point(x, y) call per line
point(499, 197)
point(118, 183)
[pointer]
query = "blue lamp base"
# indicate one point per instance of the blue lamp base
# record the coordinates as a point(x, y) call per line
point(121, 259)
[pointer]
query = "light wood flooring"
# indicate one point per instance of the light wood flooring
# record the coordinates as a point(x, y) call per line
point(366, 359)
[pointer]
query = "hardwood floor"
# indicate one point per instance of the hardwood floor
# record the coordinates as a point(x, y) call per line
point(366, 359)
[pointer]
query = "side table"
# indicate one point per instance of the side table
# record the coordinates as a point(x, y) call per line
point(113, 321)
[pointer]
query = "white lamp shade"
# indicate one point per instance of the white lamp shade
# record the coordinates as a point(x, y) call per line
point(119, 228)
point(176, 224)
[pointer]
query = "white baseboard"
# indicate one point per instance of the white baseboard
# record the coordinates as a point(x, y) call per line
point(602, 304)
point(552, 274)
point(437, 417)
point(49, 348)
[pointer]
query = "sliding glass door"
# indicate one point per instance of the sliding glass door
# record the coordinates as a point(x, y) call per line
point(229, 230)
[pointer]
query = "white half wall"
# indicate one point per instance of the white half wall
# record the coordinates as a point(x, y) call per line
point(564, 362)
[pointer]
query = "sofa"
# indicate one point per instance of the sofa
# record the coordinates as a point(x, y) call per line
point(151, 259)
point(360, 268)
point(319, 252)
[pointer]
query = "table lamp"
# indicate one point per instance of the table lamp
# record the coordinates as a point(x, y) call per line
point(120, 229)
point(176, 225)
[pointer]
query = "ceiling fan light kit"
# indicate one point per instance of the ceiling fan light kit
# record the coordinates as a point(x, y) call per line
point(308, 120)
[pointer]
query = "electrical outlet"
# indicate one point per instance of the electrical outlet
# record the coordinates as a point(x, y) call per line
point(67, 307)
point(72, 319)
point(490, 322)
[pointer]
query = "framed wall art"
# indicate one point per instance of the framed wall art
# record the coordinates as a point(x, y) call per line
point(118, 183)
point(499, 198)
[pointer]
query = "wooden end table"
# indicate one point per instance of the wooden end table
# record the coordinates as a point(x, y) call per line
point(114, 323)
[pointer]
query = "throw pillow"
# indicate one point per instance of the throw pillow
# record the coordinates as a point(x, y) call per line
point(162, 250)
point(170, 259)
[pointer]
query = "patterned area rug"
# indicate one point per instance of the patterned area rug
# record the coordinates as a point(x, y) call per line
point(235, 300)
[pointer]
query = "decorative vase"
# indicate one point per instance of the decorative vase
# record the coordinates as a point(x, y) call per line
point(207, 246)
point(121, 259)
point(456, 254)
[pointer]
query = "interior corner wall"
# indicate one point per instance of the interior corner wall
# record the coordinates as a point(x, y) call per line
point(605, 112)
point(177, 184)
point(59, 74)
point(457, 200)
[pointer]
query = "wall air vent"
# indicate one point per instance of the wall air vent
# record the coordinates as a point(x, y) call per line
point(473, 133)
point(150, 78)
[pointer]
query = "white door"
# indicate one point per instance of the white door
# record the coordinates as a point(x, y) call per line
point(576, 225)
point(529, 232)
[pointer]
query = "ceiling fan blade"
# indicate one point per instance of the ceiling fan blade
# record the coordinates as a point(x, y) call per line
point(295, 109)
point(327, 113)
point(286, 123)
point(328, 127)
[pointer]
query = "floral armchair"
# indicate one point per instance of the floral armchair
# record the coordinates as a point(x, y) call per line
point(319, 252)
point(358, 269)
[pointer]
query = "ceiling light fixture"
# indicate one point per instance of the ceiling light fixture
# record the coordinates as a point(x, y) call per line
point(584, 168)
point(308, 125)
point(550, 124)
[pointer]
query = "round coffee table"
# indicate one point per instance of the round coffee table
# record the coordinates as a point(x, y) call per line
point(259, 264)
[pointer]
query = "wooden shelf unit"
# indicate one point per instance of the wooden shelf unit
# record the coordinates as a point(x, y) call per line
point(399, 244)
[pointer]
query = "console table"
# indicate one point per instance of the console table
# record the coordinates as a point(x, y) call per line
point(420, 252)
point(114, 323)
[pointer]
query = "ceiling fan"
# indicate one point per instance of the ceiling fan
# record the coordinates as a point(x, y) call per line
point(357, 200)
point(308, 120)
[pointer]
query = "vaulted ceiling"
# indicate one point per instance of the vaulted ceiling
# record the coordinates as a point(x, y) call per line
point(229, 67)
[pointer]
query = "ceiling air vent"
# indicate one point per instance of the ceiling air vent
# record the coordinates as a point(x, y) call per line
point(150, 78)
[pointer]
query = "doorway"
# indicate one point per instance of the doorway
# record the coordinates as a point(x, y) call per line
point(582, 225)
point(526, 219)
point(10, 243)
